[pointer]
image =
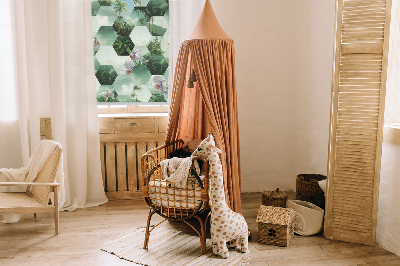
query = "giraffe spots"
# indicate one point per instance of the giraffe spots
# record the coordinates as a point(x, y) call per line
point(225, 224)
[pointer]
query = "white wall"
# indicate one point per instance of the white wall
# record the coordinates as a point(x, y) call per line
point(388, 227)
point(284, 56)
point(314, 60)
point(264, 32)
point(284, 52)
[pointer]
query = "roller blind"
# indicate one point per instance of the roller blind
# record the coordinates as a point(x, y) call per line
point(358, 97)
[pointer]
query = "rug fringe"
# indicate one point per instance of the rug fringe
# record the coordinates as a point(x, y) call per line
point(168, 246)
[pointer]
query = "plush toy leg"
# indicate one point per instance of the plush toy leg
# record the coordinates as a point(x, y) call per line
point(243, 244)
point(215, 248)
point(222, 249)
point(147, 235)
point(232, 244)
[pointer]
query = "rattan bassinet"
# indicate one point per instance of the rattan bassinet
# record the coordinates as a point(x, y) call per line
point(170, 202)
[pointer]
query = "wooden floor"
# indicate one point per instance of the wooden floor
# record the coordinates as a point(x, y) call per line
point(82, 233)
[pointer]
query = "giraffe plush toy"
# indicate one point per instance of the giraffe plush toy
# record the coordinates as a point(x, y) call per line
point(226, 225)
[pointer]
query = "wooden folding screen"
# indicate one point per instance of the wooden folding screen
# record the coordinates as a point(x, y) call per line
point(358, 96)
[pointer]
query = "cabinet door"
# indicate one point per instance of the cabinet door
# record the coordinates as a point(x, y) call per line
point(358, 97)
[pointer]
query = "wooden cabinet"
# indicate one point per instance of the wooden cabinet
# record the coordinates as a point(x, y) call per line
point(123, 141)
point(162, 125)
point(135, 125)
point(106, 125)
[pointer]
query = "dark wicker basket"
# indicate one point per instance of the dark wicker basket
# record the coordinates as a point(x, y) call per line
point(308, 189)
point(274, 198)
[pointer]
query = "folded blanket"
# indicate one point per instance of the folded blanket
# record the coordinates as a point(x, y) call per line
point(176, 170)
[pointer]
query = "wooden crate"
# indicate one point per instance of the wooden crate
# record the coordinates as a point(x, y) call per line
point(123, 141)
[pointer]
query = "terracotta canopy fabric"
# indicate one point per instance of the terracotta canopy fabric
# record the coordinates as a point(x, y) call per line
point(211, 106)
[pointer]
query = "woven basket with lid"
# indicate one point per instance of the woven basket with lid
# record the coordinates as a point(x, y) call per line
point(274, 198)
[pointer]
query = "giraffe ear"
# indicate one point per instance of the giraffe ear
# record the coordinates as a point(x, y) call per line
point(216, 149)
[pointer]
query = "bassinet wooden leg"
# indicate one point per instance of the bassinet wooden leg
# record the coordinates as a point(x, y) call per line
point(203, 236)
point(147, 235)
point(203, 232)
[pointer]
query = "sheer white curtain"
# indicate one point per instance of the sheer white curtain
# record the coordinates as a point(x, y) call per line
point(55, 78)
point(183, 15)
point(10, 147)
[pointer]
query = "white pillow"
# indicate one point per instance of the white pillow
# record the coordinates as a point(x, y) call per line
point(322, 184)
point(309, 217)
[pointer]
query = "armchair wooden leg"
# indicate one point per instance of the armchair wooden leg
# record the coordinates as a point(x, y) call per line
point(34, 215)
point(56, 212)
point(147, 235)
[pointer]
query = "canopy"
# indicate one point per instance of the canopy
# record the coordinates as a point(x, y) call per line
point(204, 97)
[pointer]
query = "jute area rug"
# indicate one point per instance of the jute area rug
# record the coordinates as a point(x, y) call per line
point(168, 247)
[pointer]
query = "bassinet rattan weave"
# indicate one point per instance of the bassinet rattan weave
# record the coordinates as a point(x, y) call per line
point(170, 202)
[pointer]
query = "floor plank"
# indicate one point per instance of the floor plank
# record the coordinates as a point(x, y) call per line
point(82, 233)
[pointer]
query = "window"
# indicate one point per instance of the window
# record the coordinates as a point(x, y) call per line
point(131, 47)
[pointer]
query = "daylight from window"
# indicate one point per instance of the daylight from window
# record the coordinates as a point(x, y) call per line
point(131, 48)
point(8, 108)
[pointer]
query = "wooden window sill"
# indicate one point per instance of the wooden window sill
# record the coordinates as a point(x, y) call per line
point(131, 109)
point(127, 115)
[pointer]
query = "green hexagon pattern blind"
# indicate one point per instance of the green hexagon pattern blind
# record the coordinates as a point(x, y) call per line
point(131, 48)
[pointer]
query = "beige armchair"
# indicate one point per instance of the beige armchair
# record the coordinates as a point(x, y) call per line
point(36, 197)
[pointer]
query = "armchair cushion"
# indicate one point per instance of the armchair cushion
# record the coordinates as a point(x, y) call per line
point(16, 199)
